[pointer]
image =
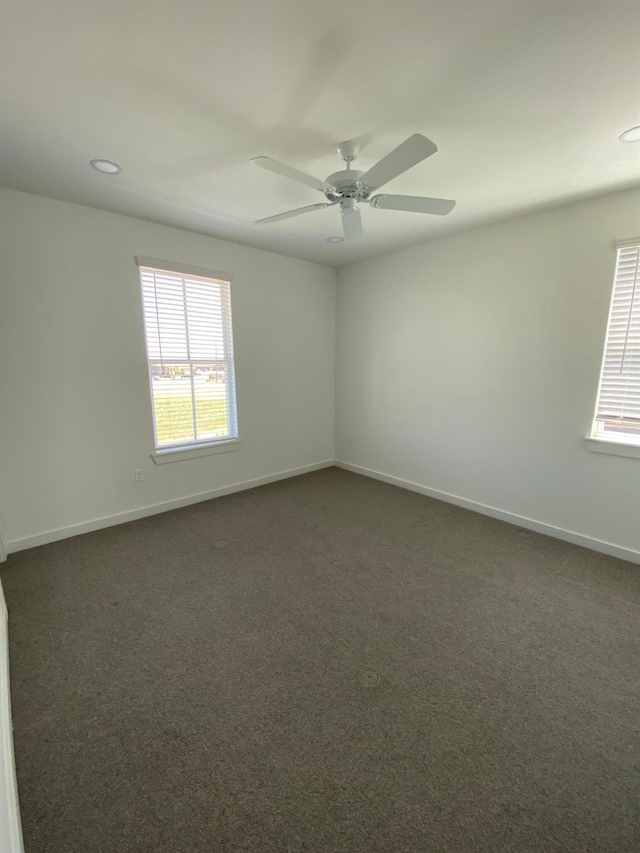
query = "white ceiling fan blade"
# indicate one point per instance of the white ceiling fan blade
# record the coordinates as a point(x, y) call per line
point(411, 152)
point(351, 223)
point(289, 213)
point(413, 203)
point(289, 172)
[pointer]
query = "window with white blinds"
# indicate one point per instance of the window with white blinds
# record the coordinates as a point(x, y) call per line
point(618, 406)
point(187, 318)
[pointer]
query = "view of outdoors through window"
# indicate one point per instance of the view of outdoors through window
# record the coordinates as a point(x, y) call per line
point(617, 429)
point(189, 401)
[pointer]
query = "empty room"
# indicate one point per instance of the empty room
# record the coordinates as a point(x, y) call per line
point(319, 426)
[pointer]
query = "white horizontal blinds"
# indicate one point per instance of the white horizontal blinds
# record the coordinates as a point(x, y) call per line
point(619, 396)
point(190, 355)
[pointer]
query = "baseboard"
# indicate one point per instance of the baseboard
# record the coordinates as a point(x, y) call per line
point(519, 520)
point(155, 509)
point(10, 826)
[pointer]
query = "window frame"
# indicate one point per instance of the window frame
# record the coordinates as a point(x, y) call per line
point(192, 449)
point(599, 441)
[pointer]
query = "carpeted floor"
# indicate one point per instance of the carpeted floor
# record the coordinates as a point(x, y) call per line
point(327, 665)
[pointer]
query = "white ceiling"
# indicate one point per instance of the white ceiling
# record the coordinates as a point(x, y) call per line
point(524, 99)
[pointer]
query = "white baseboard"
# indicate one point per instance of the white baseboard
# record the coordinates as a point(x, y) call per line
point(155, 509)
point(10, 826)
point(519, 520)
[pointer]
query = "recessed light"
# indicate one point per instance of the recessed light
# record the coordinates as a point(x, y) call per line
point(335, 239)
point(631, 135)
point(106, 166)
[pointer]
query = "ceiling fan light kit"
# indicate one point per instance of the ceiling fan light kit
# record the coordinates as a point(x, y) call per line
point(349, 187)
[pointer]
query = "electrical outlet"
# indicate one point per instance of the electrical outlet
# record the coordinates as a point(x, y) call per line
point(139, 475)
point(350, 441)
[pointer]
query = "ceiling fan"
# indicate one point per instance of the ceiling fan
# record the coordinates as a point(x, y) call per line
point(349, 188)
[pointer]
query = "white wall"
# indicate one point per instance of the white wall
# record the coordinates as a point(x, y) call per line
point(469, 365)
point(75, 417)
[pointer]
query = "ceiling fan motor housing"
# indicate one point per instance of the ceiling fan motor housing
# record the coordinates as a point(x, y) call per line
point(346, 184)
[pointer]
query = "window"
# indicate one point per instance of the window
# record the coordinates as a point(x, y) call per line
point(187, 318)
point(617, 416)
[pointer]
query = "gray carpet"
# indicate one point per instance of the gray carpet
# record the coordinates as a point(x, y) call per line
point(324, 664)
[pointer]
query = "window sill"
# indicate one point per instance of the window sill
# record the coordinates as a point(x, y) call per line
point(617, 448)
point(178, 454)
